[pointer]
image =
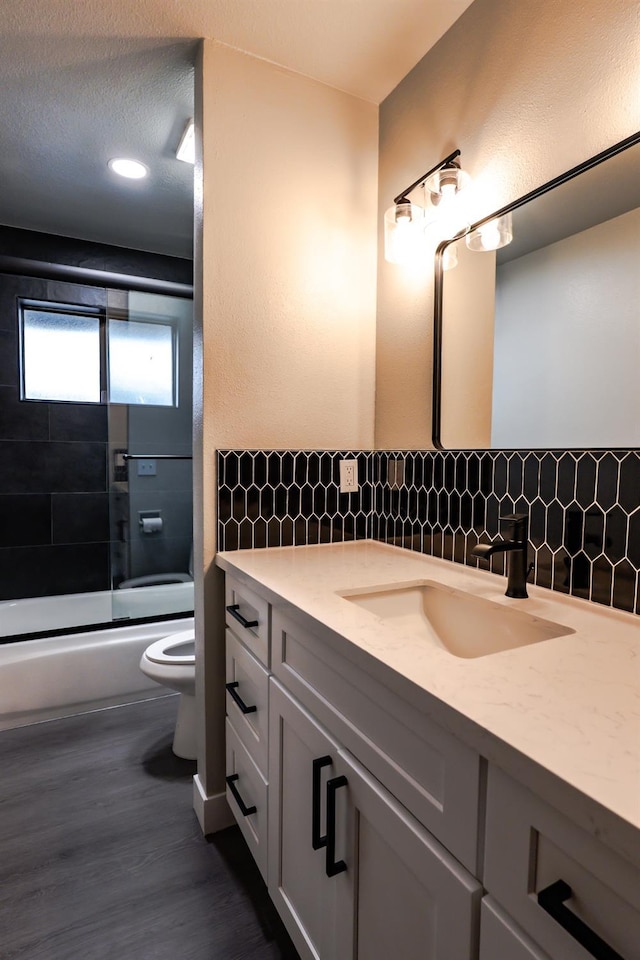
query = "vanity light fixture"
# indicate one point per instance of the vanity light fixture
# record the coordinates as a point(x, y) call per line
point(491, 235)
point(131, 169)
point(404, 222)
point(187, 147)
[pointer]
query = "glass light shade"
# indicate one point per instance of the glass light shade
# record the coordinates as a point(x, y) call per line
point(492, 235)
point(403, 233)
point(448, 218)
point(446, 182)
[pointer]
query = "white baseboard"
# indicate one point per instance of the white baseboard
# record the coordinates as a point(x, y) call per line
point(213, 813)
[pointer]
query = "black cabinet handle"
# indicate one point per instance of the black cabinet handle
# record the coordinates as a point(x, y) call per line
point(231, 688)
point(333, 866)
point(317, 840)
point(234, 610)
point(552, 900)
point(244, 809)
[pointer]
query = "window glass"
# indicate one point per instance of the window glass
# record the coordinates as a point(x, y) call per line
point(61, 356)
point(141, 363)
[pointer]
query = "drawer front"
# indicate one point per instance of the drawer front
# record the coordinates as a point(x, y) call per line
point(530, 847)
point(500, 939)
point(432, 773)
point(248, 700)
point(251, 788)
point(248, 615)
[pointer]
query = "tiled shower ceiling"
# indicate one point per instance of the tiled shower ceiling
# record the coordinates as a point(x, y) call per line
point(584, 508)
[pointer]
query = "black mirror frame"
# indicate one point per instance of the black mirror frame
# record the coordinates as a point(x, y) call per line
point(436, 404)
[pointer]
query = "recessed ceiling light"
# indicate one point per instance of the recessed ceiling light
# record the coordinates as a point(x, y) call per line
point(187, 147)
point(132, 169)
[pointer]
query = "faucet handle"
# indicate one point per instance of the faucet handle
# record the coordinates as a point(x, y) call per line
point(519, 522)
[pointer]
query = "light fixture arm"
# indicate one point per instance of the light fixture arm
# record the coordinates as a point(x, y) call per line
point(402, 197)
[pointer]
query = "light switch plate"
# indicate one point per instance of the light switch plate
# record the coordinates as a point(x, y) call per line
point(146, 468)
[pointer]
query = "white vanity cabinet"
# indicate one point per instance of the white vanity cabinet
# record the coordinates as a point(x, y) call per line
point(381, 834)
point(352, 873)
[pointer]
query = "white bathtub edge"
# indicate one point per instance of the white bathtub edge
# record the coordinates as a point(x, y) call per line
point(75, 673)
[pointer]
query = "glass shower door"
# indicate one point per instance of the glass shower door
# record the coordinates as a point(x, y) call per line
point(151, 483)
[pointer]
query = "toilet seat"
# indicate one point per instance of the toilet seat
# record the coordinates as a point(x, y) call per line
point(182, 643)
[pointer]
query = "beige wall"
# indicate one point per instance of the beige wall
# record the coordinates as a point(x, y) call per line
point(526, 91)
point(288, 280)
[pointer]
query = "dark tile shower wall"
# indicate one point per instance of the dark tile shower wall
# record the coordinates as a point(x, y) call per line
point(54, 527)
point(584, 508)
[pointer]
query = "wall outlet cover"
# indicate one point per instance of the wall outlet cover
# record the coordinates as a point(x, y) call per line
point(348, 476)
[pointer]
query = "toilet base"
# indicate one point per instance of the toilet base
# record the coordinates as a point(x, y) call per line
point(184, 738)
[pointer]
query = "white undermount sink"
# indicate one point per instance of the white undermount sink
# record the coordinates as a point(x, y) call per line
point(465, 625)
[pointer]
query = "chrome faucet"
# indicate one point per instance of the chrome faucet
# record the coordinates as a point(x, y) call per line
point(517, 547)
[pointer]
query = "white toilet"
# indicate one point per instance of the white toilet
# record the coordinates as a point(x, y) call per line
point(171, 661)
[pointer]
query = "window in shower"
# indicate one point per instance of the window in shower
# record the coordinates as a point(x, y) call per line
point(64, 352)
point(61, 354)
point(142, 362)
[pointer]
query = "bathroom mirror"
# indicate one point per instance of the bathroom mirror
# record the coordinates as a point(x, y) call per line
point(537, 343)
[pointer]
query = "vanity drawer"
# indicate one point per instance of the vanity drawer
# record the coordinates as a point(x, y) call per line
point(530, 846)
point(247, 615)
point(248, 699)
point(432, 773)
point(247, 797)
point(500, 939)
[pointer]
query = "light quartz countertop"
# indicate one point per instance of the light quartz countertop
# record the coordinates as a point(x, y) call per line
point(569, 706)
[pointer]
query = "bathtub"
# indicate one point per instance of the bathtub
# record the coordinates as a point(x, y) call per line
point(42, 614)
point(72, 673)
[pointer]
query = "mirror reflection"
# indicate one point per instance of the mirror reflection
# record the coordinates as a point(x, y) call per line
point(541, 319)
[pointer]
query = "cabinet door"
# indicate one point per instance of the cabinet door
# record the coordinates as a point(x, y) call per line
point(413, 899)
point(301, 761)
point(380, 886)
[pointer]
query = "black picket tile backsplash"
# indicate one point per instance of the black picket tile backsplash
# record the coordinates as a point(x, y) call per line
point(278, 498)
point(584, 508)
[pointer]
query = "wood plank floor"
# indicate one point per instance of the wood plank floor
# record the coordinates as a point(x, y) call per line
point(101, 855)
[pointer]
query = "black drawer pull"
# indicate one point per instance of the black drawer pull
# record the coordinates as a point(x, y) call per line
point(317, 840)
point(234, 610)
point(244, 809)
point(333, 866)
point(231, 687)
point(552, 900)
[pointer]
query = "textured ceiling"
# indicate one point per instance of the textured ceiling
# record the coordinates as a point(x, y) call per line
point(82, 82)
